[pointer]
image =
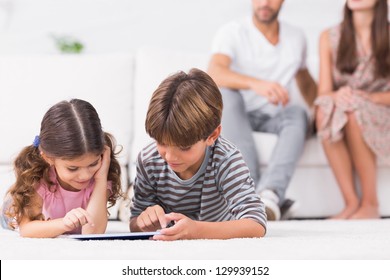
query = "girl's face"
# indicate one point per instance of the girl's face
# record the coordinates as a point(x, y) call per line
point(359, 5)
point(75, 174)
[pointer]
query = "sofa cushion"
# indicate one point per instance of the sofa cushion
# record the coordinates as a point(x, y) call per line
point(313, 154)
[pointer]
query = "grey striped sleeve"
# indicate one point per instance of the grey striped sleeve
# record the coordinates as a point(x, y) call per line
point(144, 194)
point(239, 190)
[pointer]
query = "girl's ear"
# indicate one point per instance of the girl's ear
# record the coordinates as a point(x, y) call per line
point(47, 159)
point(213, 136)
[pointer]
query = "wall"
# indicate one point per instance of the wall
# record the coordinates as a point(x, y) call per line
point(105, 26)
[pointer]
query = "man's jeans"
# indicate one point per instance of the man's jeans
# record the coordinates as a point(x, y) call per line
point(291, 126)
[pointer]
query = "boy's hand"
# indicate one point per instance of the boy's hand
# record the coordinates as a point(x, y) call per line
point(102, 173)
point(152, 219)
point(184, 228)
point(76, 218)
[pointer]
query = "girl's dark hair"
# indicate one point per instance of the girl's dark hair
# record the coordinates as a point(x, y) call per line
point(347, 51)
point(69, 129)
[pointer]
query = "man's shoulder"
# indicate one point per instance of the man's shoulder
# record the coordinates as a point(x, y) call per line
point(236, 24)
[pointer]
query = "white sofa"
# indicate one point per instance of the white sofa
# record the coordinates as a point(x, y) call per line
point(119, 85)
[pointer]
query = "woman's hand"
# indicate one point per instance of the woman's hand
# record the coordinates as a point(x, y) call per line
point(184, 228)
point(344, 98)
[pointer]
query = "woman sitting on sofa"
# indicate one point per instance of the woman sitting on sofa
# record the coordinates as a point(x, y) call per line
point(353, 116)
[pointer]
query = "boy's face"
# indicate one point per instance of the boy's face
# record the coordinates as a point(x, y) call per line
point(185, 161)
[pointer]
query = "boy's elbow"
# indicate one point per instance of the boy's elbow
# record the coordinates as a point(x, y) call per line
point(261, 231)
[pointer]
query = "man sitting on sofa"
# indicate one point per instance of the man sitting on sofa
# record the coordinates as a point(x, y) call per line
point(256, 62)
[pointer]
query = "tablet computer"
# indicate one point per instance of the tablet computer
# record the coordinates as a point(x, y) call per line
point(114, 236)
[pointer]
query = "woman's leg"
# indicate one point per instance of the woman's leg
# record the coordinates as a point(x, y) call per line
point(340, 162)
point(364, 161)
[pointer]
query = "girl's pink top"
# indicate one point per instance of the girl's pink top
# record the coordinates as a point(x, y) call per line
point(57, 201)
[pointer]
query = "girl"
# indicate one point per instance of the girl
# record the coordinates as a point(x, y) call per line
point(353, 115)
point(66, 177)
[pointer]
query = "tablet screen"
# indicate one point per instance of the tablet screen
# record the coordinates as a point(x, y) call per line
point(113, 236)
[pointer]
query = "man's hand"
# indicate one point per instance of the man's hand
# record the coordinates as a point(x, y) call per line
point(274, 92)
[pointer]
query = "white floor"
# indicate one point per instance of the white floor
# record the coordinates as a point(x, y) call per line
point(307, 239)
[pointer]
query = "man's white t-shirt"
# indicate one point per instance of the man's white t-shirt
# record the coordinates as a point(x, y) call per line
point(253, 55)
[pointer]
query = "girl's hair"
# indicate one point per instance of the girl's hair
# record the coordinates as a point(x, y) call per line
point(347, 51)
point(184, 109)
point(69, 129)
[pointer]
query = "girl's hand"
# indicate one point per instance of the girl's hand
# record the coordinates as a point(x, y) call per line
point(76, 218)
point(152, 219)
point(102, 173)
point(184, 228)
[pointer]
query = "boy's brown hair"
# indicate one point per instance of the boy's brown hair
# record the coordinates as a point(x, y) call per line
point(184, 109)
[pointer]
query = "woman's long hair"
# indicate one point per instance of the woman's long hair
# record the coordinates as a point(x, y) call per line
point(69, 129)
point(347, 51)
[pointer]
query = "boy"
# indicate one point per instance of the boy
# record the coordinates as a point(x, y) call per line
point(191, 176)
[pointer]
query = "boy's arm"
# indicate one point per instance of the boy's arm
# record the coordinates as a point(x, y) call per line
point(244, 205)
point(185, 228)
point(133, 225)
point(144, 198)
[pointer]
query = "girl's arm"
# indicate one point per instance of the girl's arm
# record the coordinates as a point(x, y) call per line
point(40, 229)
point(97, 205)
point(52, 228)
point(185, 228)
